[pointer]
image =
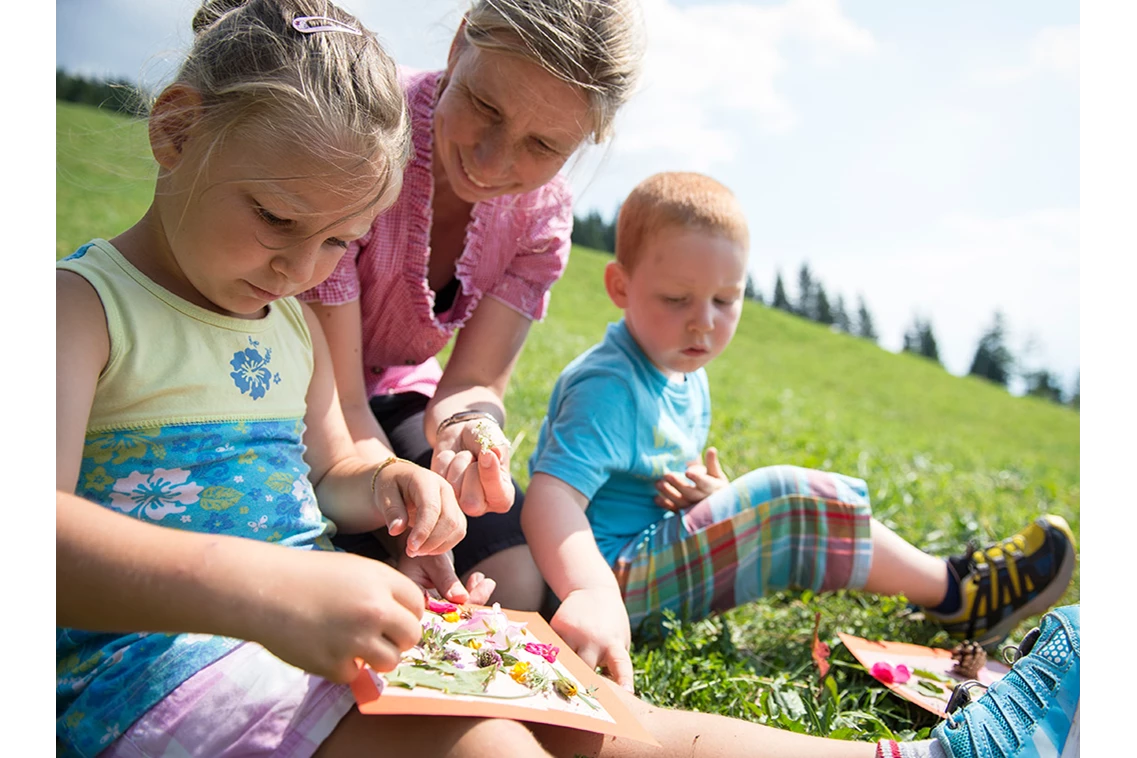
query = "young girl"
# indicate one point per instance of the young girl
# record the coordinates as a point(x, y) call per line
point(197, 423)
point(195, 397)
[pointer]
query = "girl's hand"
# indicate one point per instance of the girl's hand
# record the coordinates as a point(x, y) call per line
point(437, 572)
point(594, 623)
point(411, 495)
point(473, 456)
point(373, 613)
point(678, 492)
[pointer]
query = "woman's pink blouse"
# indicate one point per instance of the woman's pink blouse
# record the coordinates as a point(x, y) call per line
point(516, 247)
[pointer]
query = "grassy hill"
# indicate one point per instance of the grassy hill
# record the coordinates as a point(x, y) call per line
point(947, 459)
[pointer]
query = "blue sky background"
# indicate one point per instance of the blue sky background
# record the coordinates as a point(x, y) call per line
point(921, 154)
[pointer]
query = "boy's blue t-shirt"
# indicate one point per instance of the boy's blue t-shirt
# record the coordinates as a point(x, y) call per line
point(615, 425)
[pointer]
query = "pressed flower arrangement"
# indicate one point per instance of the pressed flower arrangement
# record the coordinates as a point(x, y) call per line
point(481, 653)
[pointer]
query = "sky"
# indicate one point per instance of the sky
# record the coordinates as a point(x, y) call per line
point(921, 155)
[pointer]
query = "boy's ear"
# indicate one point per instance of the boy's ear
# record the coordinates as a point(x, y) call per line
point(616, 282)
point(172, 119)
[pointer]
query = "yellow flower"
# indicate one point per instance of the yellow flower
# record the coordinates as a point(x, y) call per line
point(247, 457)
point(98, 480)
point(520, 672)
point(451, 617)
point(565, 687)
point(474, 644)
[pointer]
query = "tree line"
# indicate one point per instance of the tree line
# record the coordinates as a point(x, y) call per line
point(116, 95)
point(993, 361)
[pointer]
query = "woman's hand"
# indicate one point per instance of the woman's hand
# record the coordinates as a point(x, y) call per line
point(594, 623)
point(679, 492)
point(473, 455)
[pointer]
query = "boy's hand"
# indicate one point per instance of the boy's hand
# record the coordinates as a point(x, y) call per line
point(474, 457)
point(437, 572)
point(374, 613)
point(594, 623)
point(409, 494)
point(680, 491)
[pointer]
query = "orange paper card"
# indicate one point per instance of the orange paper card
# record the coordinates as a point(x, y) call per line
point(928, 692)
point(581, 699)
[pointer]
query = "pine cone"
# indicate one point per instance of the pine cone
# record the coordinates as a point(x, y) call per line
point(969, 657)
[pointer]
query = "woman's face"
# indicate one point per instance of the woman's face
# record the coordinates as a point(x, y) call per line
point(503, 125)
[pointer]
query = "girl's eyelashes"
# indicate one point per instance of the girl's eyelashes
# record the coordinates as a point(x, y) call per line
point(337, 242)
point(271, 218)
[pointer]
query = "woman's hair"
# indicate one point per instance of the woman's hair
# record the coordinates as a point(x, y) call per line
point(333, 90)
point(677, 200)
point(596, 45)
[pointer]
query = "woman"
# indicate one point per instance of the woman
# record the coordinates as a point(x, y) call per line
point(479, 234)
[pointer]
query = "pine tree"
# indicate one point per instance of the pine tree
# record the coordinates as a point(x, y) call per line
point(993, 360)
point(806, 300)
point(780, 299)
point(865, 326)
point(841, 316)
point(927, 346)
point(1043, 384)
point(920, 340)
point(752, 292)
point(823, 313)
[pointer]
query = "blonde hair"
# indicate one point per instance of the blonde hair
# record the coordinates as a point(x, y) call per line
point(333, 92)
point(596, 45)
point(677, 199)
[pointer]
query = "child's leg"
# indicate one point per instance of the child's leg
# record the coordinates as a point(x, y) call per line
point(774, 528)
point(689, 733)
point(898, 567)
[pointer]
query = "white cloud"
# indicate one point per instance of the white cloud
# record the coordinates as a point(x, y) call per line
point(1055, 50)
point(705, 61)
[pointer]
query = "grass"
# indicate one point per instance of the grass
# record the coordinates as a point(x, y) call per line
point(947, 459)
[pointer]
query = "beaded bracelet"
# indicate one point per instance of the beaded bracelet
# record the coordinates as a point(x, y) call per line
point(461, 416)
point(383, 465)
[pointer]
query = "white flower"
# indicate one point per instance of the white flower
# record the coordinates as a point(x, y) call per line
point(155, 495)
point(238, 479)
point(268, 498)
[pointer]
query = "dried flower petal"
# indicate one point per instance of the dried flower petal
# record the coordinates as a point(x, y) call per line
point(548, 652)
point(520, 672)
point(889, 674)
point(438, 606)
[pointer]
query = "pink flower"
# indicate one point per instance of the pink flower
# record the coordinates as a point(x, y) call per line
point(439, 607)
point(889, 674)
point(548, 652)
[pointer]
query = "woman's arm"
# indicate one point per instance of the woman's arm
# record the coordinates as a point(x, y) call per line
point(349, 490)
point(343, 332)
point(475, 378)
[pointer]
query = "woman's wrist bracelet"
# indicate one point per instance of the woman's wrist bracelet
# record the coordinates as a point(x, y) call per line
point(462, 416)
point(383, 465)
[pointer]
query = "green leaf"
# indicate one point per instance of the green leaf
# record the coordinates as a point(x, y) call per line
point(929, 675)
point(447, 678)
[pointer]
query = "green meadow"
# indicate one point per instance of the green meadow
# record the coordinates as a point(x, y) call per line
point(947, 460)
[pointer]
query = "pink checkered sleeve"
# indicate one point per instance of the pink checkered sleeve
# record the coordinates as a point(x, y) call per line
point(545, 242)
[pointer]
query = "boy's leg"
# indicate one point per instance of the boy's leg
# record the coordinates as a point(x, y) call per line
point(774, 528)
point(898, 567)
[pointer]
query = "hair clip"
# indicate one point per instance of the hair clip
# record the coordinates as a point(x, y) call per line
point(310, 24)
